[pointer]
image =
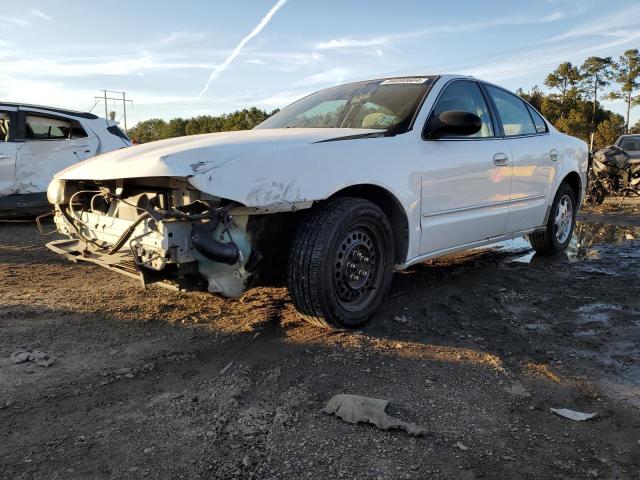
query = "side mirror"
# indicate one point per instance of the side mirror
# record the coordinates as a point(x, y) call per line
point(453, 123)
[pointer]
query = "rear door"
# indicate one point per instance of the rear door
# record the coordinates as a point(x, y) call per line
point(536, 159)
point(7, 151)
point(50, 144)
point(465, 180)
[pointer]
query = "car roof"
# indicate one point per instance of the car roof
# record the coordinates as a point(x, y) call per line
point(75, 113)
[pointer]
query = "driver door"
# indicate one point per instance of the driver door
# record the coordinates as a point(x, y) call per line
point(466, 180)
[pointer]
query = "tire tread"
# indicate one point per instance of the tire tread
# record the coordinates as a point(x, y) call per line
point(306, 259)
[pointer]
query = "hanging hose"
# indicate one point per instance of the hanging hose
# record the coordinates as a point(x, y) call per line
point(203, 240)
point(127, 233)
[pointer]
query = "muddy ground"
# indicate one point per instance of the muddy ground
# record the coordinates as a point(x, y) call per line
point(476, 348)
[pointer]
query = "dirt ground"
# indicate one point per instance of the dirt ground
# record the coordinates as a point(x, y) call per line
point(476, 348)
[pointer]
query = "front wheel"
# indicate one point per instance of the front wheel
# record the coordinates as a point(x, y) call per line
point(341, 263)
point(562, 219)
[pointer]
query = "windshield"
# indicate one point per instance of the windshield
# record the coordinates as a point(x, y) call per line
point(631, 144)
point(377, 104)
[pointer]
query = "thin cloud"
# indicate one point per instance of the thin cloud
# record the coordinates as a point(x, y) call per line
point(236, 51)
point(387, 40)
point(606, 25)
point(331, 76)
point(40, 14)
point(183, 37)
point(516, 67)
point(14, 21)
point(133, 65)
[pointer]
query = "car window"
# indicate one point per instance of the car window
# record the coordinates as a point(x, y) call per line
point(466, 96)
point(5, 120)
point(513, 113)
point(631, 144)
point(46, 128)
point(76, 131)
point(382, 104)
point(322, 115)
point(538, 121)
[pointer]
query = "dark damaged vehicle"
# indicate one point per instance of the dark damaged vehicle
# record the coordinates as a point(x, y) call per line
point(332, 194)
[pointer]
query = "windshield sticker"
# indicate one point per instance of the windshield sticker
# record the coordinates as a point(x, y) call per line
point(397, 81)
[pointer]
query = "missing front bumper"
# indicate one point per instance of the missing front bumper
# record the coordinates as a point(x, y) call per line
point(120, 262)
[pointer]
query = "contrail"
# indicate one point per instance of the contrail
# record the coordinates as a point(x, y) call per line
point(236, 51)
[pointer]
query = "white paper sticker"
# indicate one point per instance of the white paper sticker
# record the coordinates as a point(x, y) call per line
point(397, 81)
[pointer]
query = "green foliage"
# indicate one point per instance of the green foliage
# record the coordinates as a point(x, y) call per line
point(157, 129)
point(608, 131)
point(572, 106)
point(565, 78)
point(596, 73)
point(627, 76)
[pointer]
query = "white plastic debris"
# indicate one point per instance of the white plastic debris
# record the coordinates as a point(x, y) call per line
point(572, 414)
point(35, 356)
point(401, 319)
point(517, 390)
point(462, 446)
point(357, 409)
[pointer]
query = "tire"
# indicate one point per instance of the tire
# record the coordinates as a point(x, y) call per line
point(341, 263)
point(562, 220)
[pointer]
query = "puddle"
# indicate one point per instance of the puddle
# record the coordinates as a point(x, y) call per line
point(596, 312)
point(586, 237)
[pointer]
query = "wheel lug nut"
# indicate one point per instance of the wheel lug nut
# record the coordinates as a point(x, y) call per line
point(362, 273)
point(351, 266)
point(354, 277)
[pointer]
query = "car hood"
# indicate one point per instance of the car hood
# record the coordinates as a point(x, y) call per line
point(197, 154)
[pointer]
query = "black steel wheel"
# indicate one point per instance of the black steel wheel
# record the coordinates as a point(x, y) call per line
point(341, 263)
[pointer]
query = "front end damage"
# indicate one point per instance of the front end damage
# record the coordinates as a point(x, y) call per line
point(159, 230)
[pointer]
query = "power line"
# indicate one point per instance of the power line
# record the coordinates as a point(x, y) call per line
point(105, 97)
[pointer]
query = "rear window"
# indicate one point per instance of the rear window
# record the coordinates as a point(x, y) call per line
point(630, 143)
point(538, 121)
point(513, 113)
point(115, 130)
point(45, 128)
point(53, 128)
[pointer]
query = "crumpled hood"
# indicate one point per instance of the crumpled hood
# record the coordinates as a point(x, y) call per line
point(197, 154)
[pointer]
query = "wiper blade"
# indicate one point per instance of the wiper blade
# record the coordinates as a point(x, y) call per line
point(379, 134)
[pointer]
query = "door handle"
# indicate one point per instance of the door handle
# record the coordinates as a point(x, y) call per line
point(500, 160)
point(2, 157)
point(553, 155)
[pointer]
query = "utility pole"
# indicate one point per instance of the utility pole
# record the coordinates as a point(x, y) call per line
point(123, 98)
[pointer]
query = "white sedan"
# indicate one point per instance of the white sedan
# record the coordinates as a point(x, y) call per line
point(332, 194)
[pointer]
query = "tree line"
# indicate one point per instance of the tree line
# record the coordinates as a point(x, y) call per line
point(158, 129)
point(572, 104)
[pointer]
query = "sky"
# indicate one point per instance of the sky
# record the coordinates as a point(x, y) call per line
point(210, 57)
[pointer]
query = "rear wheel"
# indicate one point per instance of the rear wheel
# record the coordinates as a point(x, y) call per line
point(341, 263)
point(560, 224)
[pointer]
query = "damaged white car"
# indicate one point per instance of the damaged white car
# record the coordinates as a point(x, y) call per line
point(332, 194)
point(38, 141)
